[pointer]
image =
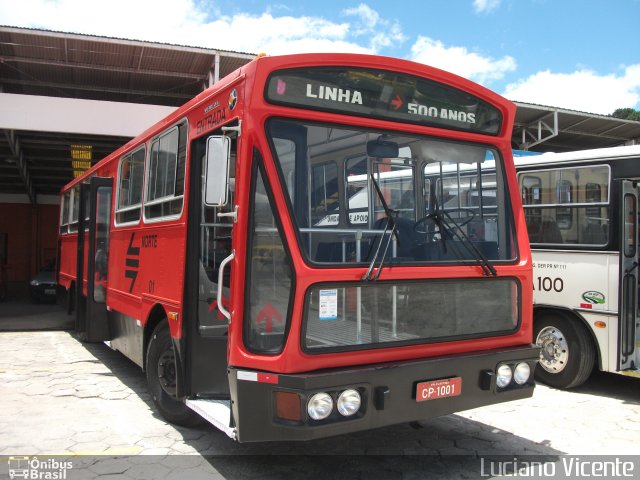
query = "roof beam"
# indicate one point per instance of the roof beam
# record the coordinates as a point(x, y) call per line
point(107, 68)
point(121, 41)
point(97, 88)
point(538, 131)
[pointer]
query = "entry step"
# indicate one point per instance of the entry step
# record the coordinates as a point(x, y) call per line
point(216, 412)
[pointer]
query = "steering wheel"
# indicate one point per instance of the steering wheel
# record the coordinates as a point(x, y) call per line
point(432, 216)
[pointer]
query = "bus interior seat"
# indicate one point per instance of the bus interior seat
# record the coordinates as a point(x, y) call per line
point(329, 252)
point(593, 233)
point(549, 232)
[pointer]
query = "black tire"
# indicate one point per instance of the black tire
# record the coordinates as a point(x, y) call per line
point(160, 371)
point(568, 354)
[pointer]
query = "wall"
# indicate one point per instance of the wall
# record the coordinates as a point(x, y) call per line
point(31, 241)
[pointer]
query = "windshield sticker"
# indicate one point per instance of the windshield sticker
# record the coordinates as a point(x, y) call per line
point(328, 305)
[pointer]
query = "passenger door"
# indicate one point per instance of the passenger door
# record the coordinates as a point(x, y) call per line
point(95, 220)
point(209, 243)
point(628, 290)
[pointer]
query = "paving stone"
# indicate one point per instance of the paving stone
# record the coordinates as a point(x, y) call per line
point(110, 466)
point(109, 413)
point(114, 395)
point(89, 448)
point(148, 471)
point(152, 442)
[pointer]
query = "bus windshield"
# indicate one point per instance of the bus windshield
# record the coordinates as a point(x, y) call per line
point(360, 196)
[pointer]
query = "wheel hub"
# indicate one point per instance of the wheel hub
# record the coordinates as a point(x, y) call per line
point(554, 352)
point(167, 372)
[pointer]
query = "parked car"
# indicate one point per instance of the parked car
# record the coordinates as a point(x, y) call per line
point(43, 286)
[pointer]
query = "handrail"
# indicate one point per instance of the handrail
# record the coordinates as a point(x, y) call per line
point(223, 265)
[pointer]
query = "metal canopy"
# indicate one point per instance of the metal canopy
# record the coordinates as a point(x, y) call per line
point(549, 129)
point(56, 64)
point(37, 161)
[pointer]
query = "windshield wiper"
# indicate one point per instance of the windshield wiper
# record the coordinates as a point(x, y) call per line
point(390, 222)
point(442, 219)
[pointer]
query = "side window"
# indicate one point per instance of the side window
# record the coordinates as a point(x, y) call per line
point(325, 204)
point(357, 190)
point(130, 175)
point(567, 206)
point(564, 194)
point(630, 218)
point(74, 209)
point(269, 276)
point(165, 174)
point(64, 212)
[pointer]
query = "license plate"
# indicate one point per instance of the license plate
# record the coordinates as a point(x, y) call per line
point(448, 387)
point(50, 292)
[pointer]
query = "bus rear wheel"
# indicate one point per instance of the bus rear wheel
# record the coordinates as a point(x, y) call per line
point(161, 379)
point(567, 355)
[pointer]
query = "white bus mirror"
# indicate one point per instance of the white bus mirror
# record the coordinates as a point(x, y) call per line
point(217, 171)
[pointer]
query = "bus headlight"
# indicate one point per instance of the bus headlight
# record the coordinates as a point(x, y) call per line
point(521, 373)
point(320, 406)
point(504, 375)
point(349, 402)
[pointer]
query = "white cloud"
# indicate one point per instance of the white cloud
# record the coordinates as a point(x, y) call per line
point(381, 32)
point(485, 6)
point(461, 61)
point(197, 23)
point(583, 90)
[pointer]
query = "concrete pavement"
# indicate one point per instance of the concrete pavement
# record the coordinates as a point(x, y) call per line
point(89, 405)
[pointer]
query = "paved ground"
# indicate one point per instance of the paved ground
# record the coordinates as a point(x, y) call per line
point(64, 401)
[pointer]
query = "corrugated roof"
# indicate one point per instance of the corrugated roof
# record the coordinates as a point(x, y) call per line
point(562, 130)
point(59, 64)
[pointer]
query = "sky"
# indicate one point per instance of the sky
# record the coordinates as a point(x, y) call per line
point(575, 54)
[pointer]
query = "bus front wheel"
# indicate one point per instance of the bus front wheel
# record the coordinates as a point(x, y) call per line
point(567, 355)
point(161, 379)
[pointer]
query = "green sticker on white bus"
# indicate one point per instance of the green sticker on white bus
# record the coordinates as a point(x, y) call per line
point(594, 297)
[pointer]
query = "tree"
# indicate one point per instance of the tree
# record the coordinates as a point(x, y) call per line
point(627, 114)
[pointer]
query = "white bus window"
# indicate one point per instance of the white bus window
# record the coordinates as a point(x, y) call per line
point(568, 206)
point(325, 202)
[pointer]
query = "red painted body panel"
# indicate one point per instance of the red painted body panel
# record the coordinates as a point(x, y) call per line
point(160, 276)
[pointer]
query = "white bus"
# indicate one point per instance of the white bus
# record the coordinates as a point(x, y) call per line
point(581, 210)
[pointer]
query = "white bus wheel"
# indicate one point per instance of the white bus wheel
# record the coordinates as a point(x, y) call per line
point(567, 354)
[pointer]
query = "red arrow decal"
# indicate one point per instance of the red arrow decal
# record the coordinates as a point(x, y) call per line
point(267, 315)
point(397, 102)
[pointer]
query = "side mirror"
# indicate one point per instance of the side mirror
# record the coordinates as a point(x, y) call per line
point(217, 171)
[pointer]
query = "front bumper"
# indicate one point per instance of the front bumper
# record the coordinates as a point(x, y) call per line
point(43, 292)
point(388, 393)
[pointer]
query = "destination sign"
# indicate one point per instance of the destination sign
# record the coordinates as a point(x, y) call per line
point(384, 95)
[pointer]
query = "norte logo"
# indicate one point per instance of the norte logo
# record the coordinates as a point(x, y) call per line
point(132, 262)
point(593, 297)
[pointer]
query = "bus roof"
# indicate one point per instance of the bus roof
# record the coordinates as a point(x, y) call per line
point(597, 154)
point(267, 64)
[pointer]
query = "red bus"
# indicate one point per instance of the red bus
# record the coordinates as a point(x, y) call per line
point(315, 245)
